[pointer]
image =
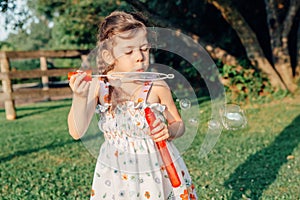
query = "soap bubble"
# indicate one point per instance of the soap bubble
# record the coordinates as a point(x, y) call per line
point(193, 121)
point(233, 117)
point(185, 104)
point(214, 124)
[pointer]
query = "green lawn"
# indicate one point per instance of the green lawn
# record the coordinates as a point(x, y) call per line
point(39, 160)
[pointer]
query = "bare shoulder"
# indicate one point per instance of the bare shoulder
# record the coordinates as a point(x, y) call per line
point(160, 86)
point(162, 90)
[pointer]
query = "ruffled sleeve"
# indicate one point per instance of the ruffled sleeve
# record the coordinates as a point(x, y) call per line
point(157, 107)
point(102, 108)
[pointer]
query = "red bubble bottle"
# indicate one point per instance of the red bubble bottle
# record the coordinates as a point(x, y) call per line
point(164, 152)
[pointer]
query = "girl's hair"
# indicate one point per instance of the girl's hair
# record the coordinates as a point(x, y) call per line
point(115, 23)
point(118, 22)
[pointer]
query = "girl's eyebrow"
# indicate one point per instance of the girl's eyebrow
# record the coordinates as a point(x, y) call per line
point(132, 47)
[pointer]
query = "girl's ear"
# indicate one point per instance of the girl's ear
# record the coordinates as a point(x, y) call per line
point(107, 57)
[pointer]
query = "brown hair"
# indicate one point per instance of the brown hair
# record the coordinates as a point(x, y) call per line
point(115, 23)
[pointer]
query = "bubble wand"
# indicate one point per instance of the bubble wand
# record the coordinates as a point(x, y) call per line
point(164, 152)
point(137, 76)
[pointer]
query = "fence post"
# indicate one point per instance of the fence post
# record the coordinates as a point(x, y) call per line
point(9, 104)
point(45, 79)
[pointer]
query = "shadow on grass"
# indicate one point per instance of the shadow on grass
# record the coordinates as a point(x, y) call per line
point(46, 147)
point(260, 170)
point(40, 109)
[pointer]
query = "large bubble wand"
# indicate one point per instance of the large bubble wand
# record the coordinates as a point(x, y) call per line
point(137, 76)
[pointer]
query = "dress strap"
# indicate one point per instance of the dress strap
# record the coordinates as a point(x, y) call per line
point(145, 92)
point(104, 92)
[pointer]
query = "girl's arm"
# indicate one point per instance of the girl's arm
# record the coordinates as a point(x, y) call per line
point(83, 104)
point(175, 127)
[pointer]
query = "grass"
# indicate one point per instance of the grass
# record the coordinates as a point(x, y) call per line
point(39, 160)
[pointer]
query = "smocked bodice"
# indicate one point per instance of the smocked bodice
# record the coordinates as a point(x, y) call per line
point(127, 120)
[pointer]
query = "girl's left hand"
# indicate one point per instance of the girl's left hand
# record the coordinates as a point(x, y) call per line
point(160, 131)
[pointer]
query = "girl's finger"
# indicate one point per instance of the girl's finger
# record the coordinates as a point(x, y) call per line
point(156, 122)
point(87, 85)
point(72, 81)
point(79, 80)
point(158, 128)
point(83, 88)
point(163, 135)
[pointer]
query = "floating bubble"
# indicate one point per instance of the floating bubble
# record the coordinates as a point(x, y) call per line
point(193, 121)
point(233, 117)
point(185, 104)
point(214, 124)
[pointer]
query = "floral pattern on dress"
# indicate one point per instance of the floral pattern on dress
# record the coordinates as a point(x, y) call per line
point(129, 165)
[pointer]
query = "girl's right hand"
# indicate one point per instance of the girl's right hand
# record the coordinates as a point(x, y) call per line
point(79, 86)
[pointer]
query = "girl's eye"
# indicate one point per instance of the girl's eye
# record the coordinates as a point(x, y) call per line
point(146, 48)
point(128, 52)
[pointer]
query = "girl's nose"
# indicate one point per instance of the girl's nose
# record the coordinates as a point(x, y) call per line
point(139, 56)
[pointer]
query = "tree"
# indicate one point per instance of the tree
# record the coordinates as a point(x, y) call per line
point(16, 14)
point(280, 72)
point(237, 32)
point(297, 70)
point(37, 36)
point(280, 18)
point(75, 23)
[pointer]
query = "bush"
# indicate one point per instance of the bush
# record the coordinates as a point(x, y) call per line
point(245, 84)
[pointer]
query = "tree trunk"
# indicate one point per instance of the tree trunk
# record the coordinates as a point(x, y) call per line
point(249, 41)
point(279, 40)
point(297, 70)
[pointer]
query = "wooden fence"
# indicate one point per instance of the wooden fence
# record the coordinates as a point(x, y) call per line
point(8, 95)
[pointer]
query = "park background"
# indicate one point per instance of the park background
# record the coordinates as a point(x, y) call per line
point(255, 46)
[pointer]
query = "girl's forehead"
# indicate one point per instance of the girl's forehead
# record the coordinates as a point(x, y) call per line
point(131, 38)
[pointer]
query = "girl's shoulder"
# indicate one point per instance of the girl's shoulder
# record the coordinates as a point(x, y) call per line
point(161, 84)
point(160, 87)
point(159, 91)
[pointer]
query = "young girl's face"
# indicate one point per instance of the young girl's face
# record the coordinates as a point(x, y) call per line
point(131, 53)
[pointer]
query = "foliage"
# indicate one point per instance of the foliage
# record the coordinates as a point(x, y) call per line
point(35, 38)
point(245, 85)
point(40, 160)
point(16, 14)
point(75, 23)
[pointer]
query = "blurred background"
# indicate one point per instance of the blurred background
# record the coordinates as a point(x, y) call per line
point(255, 46)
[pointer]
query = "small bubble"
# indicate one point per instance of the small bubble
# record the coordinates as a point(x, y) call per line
point(185, 104)
point(213, 124)
point(233, 117)
point(193, 121)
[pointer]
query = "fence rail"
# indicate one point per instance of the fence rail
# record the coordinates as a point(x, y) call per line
point(9, 95)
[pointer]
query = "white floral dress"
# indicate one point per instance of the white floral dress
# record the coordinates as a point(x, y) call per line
point(129, 165)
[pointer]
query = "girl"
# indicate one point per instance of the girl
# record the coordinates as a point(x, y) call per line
point(129, 165)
